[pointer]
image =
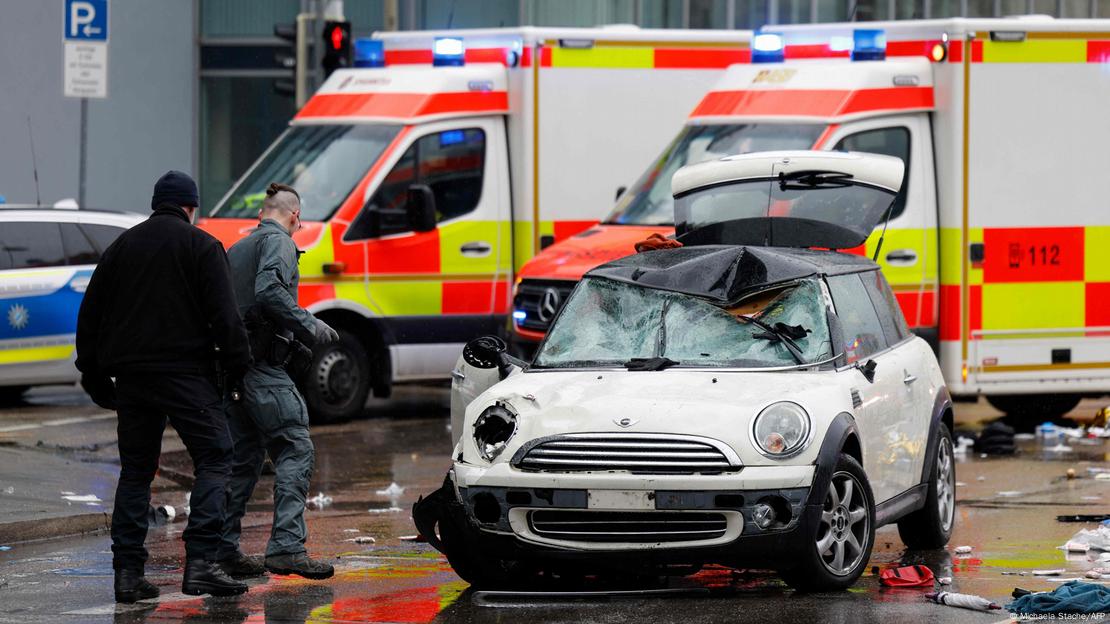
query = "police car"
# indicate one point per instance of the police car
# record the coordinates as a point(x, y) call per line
point(47, 256)
point(745, 400)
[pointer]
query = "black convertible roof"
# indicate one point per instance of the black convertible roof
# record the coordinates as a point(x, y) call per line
point(725, 273)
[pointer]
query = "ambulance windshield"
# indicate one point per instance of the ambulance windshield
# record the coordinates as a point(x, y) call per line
point(324, 163)
point(649, 201)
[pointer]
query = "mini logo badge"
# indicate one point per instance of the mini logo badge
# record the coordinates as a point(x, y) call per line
point(549, 305)
point(625, 422)
point(18, 316)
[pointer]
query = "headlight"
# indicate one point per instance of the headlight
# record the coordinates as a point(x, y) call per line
point(781, 430)
point(492, 430)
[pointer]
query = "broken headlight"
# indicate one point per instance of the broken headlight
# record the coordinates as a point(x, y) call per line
point(781, 430)
point(492, 430)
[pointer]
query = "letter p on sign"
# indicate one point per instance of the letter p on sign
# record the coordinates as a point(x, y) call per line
point(86, 20)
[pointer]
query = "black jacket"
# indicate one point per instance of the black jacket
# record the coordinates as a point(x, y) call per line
point(160, 300)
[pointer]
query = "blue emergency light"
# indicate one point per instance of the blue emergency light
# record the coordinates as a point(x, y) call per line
point(448, 52)
point(369, 53)
point(768, 48)
point(869, 45)
point(451, 137)
point(519, 315)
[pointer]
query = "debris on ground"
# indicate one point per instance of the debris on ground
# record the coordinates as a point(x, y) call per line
point(1071, 597)
point(964, 601)
point(1095, 539)
point(963, 550)
point(160, 515)
point(92, 499)
point(411, 538)
point(963, 444)
point(1070, 474)
point(1098, 573)
point(996, 438)
point(1083, 518)
point(9, 490)
point(980, 478)
point(1010, 493)
point(351, 531)
point(377, 510)
point(363, 539)
point(393, 491)
point(1048, 572)
point(1076, 547)
point(3, 548)
point(908, 576)
point(319, 501)
point(945, 580)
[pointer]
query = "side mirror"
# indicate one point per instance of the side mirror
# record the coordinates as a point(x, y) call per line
point(620, 191)
point(868, 370)
point(421, 206)
point(488, 352)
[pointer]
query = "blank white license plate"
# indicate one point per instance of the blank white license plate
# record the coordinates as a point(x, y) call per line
point(620, 499)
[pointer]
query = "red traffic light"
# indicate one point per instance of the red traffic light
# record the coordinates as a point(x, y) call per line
point(337, 36)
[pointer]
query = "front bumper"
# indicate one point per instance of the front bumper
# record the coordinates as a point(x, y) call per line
point(614, 518)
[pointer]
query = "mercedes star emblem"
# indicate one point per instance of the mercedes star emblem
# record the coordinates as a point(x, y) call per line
point(549, 305)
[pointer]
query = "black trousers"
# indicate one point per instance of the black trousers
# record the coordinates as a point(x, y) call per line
point(192, 404)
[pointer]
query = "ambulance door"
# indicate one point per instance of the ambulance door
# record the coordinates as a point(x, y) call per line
point(909, 254)
point(438, 287)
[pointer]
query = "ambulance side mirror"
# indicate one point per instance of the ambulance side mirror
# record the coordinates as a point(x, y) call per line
point(421, 205)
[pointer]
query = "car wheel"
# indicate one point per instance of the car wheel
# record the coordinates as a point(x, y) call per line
point(1027, 411)
point(338, 381)
point(12, 395)
point(931, 526)
point(482, 570)
point(836, 552)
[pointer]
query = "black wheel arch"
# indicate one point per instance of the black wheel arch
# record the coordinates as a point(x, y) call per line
point(841, 437)
point(941, 414)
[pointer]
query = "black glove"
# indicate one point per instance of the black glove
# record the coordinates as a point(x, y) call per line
point(101, 389)
point(324, 333)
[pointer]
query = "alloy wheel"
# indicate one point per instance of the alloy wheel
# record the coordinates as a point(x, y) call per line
point(844, 529)
point(946, 486)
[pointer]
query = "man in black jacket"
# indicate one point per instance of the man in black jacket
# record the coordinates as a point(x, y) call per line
point(159, 315)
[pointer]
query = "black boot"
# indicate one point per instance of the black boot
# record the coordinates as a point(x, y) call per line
point(239, 566)
point(299, 564)
point(131, 585)
point(205, 577)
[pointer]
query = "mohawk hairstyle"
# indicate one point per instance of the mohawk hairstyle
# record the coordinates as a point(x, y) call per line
point(277, 187)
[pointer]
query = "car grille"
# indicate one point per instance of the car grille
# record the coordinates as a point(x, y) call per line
point(530, 296)
point(637, 453)
point(627, 526)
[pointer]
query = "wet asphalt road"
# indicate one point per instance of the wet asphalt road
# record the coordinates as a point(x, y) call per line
point(394, 579)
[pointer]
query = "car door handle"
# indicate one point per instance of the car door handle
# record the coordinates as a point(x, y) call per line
point(908, 379)
point(476, 249)
point(458, 375)
point(903, 257)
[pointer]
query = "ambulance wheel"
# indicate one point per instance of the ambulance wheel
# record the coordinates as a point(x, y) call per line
point(931, 526)
point(836, 554)
point(1025, 411)
point(12, 395)
point(337, 383)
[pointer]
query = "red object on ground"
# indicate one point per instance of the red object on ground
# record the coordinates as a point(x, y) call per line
point(909, 576)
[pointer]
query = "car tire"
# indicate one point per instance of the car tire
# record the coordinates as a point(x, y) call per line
point(481, 569)
point(337, 383)
point(1028, 410)
point(846, 525)
point(12, 395)
point(931, 526)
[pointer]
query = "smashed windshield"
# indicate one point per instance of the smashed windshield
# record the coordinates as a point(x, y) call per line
point(609, 323)
point(324, 163)
point(649, 200)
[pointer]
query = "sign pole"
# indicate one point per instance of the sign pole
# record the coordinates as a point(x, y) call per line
point(81, 171)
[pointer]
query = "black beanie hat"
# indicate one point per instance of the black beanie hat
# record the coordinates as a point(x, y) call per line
point(175, 188)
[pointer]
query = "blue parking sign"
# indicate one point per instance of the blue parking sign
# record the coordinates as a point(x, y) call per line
point(86, 20)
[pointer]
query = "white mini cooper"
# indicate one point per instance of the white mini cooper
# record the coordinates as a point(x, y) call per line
point(743, 400)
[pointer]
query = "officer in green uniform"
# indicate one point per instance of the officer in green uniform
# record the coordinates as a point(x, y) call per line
point(271, 415)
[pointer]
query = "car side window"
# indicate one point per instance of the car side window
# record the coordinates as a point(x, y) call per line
point(886, 306)
point(79, 249)
point(863, 333)
point(101, 235)
point(31, 245)
point(893, 141)
point(451, 163)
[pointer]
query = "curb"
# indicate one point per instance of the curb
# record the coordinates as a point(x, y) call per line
point(50, 528)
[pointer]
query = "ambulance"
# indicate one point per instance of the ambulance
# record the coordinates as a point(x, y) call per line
point(435, 168)
point(998, 247)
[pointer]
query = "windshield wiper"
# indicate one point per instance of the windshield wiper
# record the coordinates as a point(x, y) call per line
point(650, 364)
point(805, 180)
point(780, 332)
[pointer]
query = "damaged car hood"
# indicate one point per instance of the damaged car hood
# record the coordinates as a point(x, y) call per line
point(693, 402)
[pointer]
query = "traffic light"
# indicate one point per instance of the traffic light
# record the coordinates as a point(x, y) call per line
point(286, 59)
point(337, 46)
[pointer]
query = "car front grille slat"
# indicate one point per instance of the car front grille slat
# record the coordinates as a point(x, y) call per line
point(530, 298)
point(620, 526)
point(658, 454)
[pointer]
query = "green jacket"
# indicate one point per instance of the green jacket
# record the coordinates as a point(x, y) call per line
point(264, 273)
